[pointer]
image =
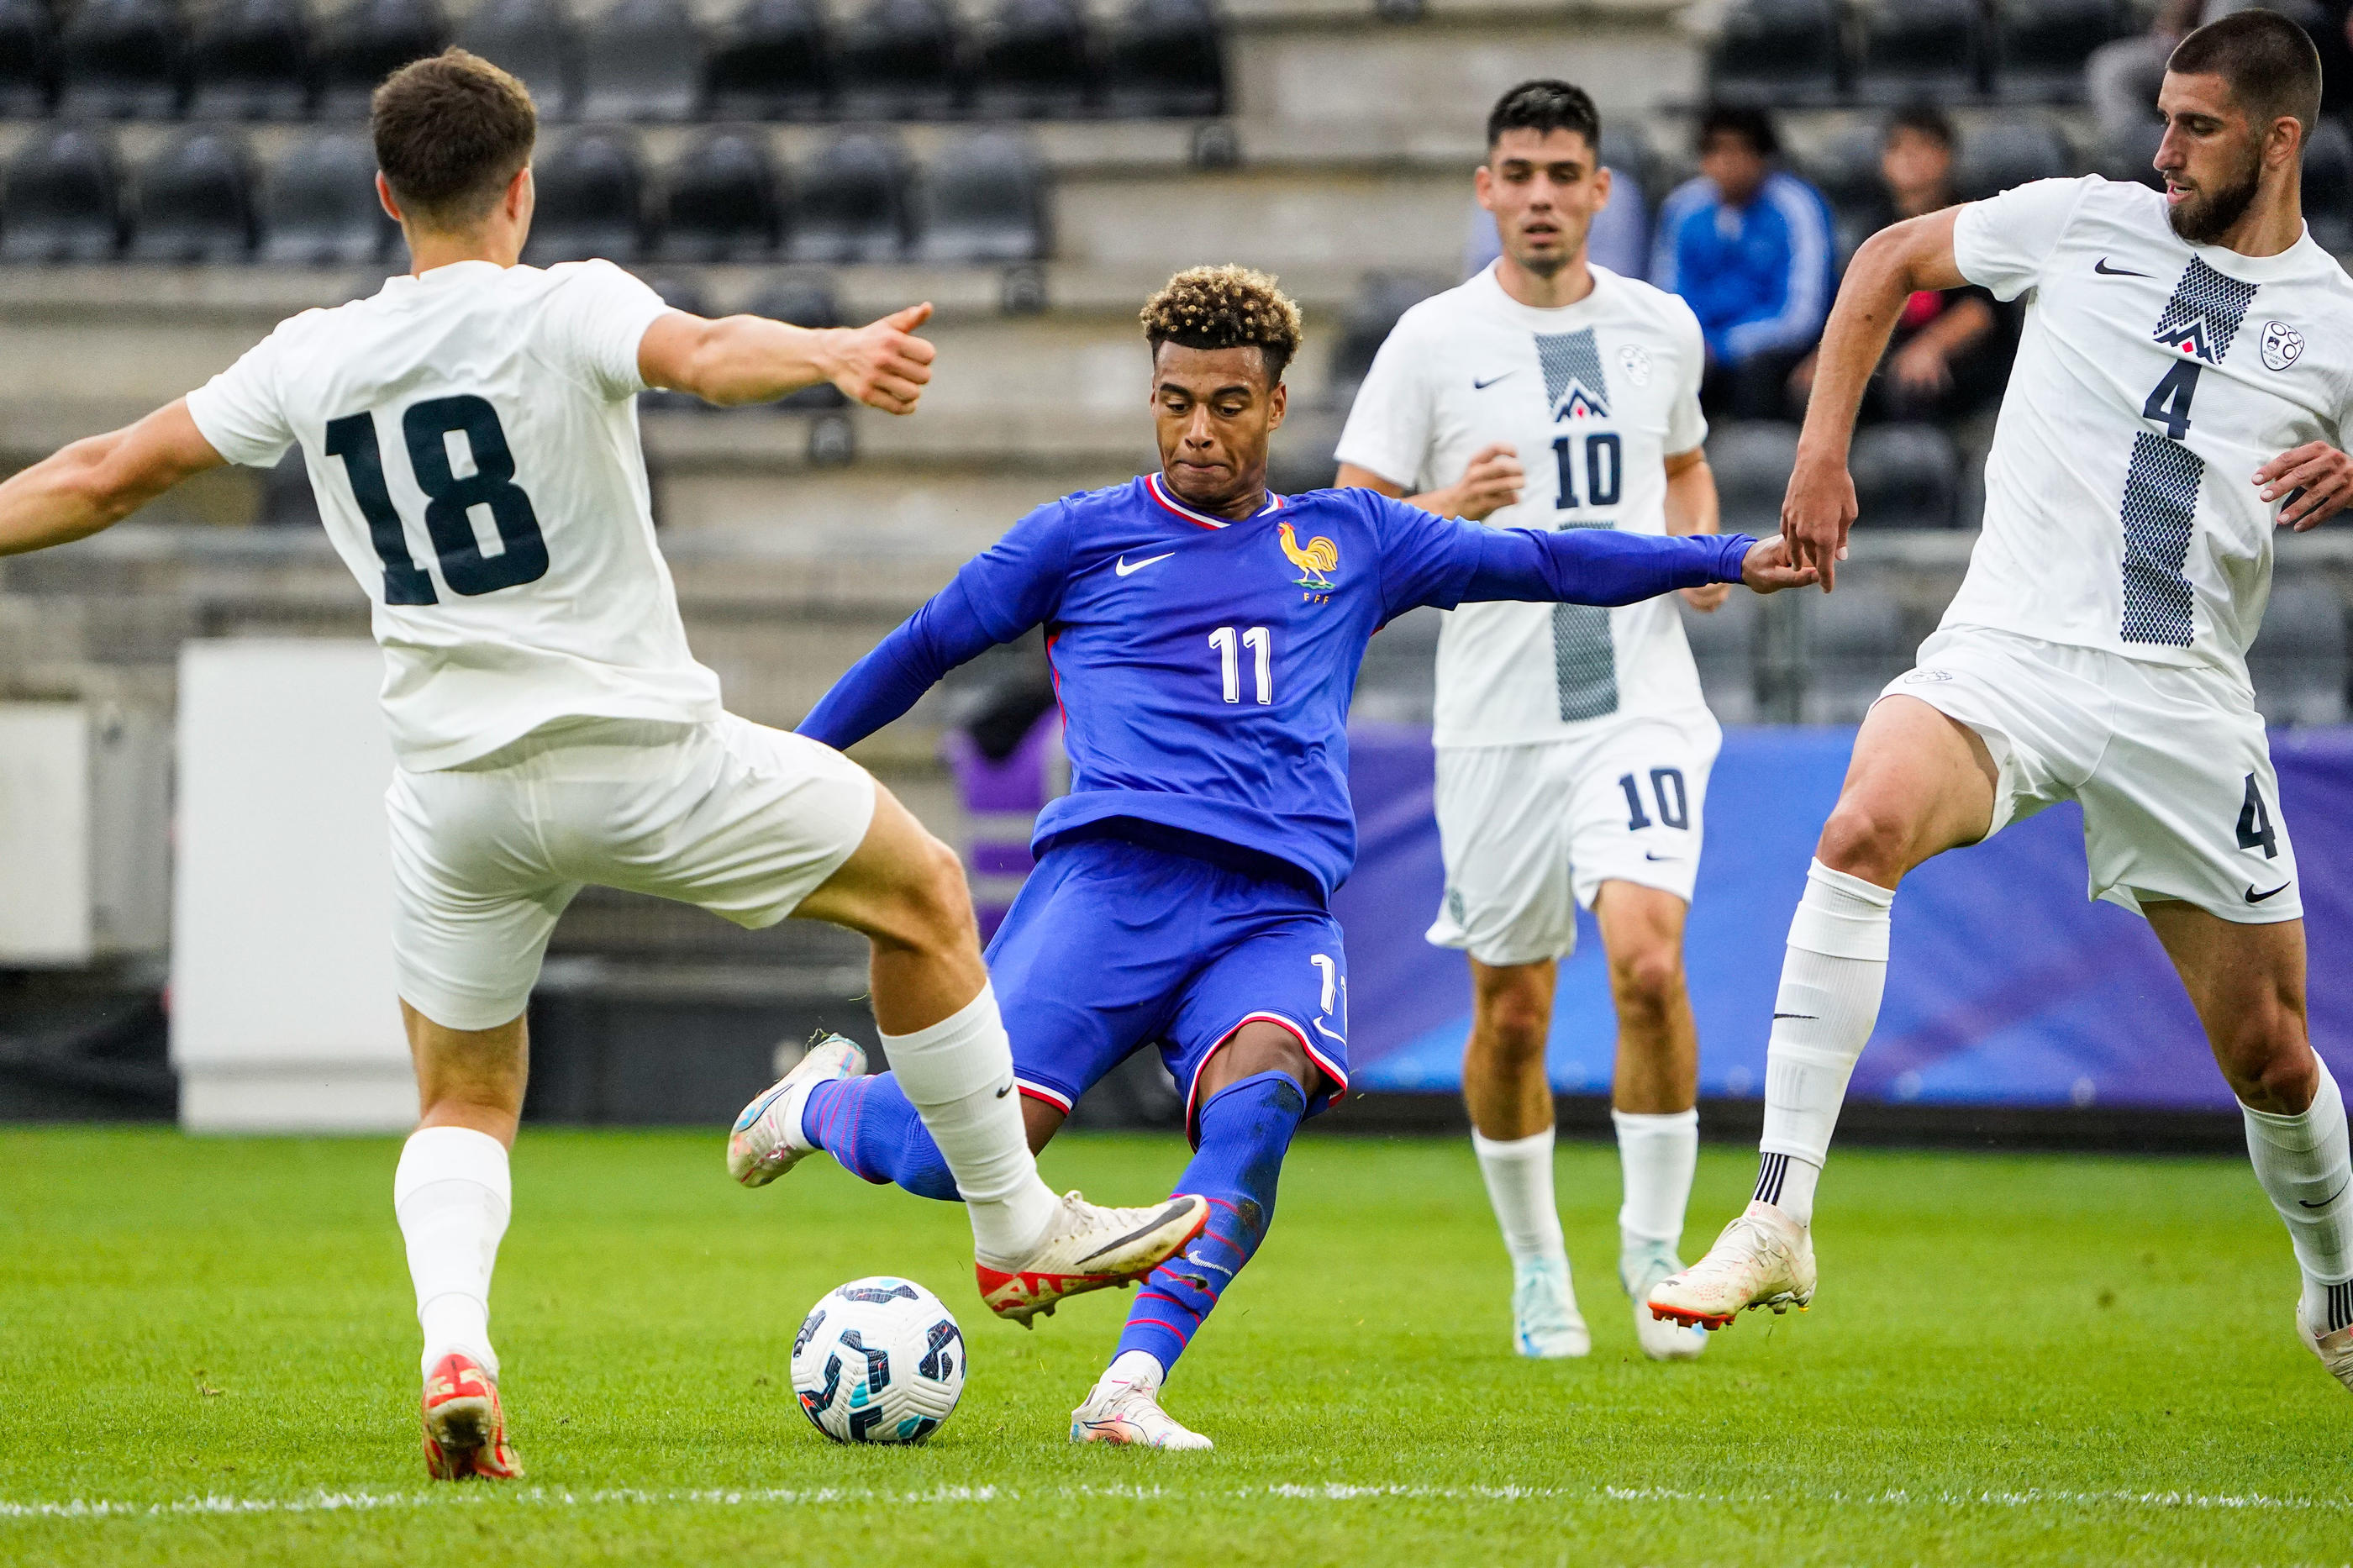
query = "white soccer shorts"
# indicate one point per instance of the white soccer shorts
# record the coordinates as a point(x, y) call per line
point(2169, 763)
point(741, 820)
point(1529, 833)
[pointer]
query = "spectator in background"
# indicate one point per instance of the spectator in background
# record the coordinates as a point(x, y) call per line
point(1619, 240)
point(1951, 349)
point(2121, 79)
point(1749, 247)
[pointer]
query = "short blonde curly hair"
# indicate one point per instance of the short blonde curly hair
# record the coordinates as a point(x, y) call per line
point(1225, 307)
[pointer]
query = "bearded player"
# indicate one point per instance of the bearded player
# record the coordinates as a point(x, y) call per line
point(1205, 636)
point(1573, 742)
point(2178, 394)
point(471, 432)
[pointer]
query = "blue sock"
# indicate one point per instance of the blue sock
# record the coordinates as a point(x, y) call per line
point(870, 1126)
point(1245, 1129)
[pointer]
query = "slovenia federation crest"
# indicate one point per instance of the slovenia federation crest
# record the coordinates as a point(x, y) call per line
point(1316, 560)
point(2282, 345)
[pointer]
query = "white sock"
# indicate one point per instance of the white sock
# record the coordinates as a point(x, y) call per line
point(959, 1074)
point(1657, 1155)
point(1519, 1184)
point(1831, 979)
point(452, 1199)
point(2303, 1160)
point(1136, 1367)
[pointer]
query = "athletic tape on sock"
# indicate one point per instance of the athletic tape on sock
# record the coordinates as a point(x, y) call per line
point(1841, 916)
point(2304, 1162)
point(961, 1055)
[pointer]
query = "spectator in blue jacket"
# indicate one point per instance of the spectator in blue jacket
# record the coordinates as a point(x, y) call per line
point(1749, 247)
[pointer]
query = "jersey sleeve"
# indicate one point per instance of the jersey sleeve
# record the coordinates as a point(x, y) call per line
point(1686, 425)
point(2001, 244)
point(240, 412)
point(1387, 432)
point(1428, 560)
point(595, 320)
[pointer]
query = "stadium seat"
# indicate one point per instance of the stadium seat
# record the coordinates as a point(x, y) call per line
point(368, 41)
point(1751, 460)
point(1854, 645)
point(1845, 169)
point(1723, 645)
point(196, 201)
point(2328, 185)
point(62, 201)
point(1996, 156)
point(534, 39)
point(805, 301)
point(1905, 475)
point(2040, 46)
point(1916, 50)
point(1035, 62)
point(1164, 58)
point(983, 199)
point(642, 60)
point(27, 58)
point(2129, 153)
point(899, 59)
point(2298, 662)
point(773, 62)
point(724, 202)
point(853, 203)
point(319, 205)
point(251, 60)
point(1381, 300)
point(122, 60)
point(1777, 52)
point(591, 201)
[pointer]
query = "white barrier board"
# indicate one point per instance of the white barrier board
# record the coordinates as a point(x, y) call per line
point(284, 1017)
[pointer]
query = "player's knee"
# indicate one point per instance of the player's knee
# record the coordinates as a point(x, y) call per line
point(934, 900)
point(1865, 842)
point(1514, 1023)
point(1649, 980)
point(2264, 1052)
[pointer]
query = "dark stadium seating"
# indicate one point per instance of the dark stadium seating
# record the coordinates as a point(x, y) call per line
point(899, 59)
point(2298, 663)
point(1164, 58)
point(534, 39)
point(251, 60)
point(2129, 153)
point(27, 58)
point(773, 61)
point(642, 60)
point(1751, 461)
point(122, 60)
point(368, 41)
point(2328, 185)
point(805, 301)
point(1854, 645)
point(196, 201)
point(1996, 156)
point(1723, 645)
point(62, 201)
point(1035, 61)
point(2039, 45)
point(983, 199)
point(591, 201)
point(852, 205)
point(1905, 475)
point(1777, 52)
point(1913, 49)
point(319, 205)
point(1381, 300)
point(1845, 169)
point(724, 202)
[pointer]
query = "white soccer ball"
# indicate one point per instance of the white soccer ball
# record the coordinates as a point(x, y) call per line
point(879, 1361)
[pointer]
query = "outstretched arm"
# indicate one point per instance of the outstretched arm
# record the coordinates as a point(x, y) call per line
point(883, 685)
point(96, 483)
point(751, 359)
point(1602, 567)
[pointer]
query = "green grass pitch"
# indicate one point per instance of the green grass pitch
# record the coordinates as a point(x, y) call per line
point(210, 1357)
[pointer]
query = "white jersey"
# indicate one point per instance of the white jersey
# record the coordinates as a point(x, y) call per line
point(472, 436)
point(1593, 397)
point(2153, 379)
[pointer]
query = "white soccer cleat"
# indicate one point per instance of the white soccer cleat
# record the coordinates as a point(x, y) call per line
point(1087, 1248)
point(767, 1139)
point(1764, 1259)
point(1641, 1268)
point(1545, 1323)
point(2334, 1349)
point(1130, 1414)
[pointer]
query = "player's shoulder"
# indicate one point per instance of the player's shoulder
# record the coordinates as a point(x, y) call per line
point(1349, 507)
point(1646, 301)
point(1441, 314)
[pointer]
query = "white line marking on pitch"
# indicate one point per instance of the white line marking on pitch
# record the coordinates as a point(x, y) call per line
point(819, 1497)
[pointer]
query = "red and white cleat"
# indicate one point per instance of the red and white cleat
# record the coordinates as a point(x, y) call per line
point(465, 1429)
point(1764, 1259)
point(1088, 1248)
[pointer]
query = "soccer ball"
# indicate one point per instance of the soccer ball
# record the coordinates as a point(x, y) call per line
point(879, 1361)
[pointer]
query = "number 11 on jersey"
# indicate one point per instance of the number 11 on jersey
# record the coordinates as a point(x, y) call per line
point(1258, 641)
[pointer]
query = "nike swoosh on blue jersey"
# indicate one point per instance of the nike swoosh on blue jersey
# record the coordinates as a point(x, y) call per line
point(1124, 566)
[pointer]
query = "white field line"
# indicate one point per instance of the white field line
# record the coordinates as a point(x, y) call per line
point(822, 1497)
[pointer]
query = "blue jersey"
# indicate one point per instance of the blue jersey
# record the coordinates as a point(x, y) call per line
point(1205, 668)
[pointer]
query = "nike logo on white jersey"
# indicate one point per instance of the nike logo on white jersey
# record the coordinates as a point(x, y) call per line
point(1125, 567)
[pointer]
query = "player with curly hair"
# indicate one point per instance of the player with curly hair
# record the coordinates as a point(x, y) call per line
point(1205, 636)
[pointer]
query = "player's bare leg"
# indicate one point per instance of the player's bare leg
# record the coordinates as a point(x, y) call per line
point(2247, 982)
point(452, 1197)
point(1919, 783)
point(1509, 1096)
point(1653, 1099)
point(906, 892)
